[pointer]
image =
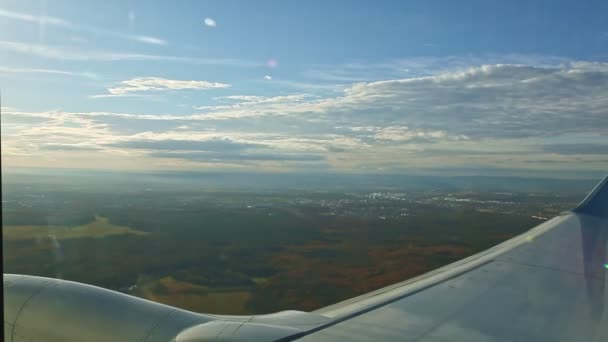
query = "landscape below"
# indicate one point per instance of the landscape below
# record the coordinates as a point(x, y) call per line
point(211, 248)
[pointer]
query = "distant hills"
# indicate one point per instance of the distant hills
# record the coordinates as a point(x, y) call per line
point(243, 181)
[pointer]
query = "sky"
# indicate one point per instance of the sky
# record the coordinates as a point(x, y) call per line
point(396, 87)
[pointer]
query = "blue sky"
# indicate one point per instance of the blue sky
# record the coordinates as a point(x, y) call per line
point(340, 86)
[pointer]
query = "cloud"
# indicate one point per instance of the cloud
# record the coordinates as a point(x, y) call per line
point(210, 22)
point(489, 116)
point(33, 18)
point(366, 71)
point(320, 88)
point(213, 150)
point(210, 145)
point(268, 77)
point(245, 106)
point(486, 102)
point(10, 116)
point(79, 54)
point(145, 84)
point(472, 151)
point(149, 40)
point(47, 71)
point(47, 20)
point(582, 148)
point(403, 133)
point(60, 115)
point(106, 96)
point(239, 157)
point(489, 101)
point(68, 147)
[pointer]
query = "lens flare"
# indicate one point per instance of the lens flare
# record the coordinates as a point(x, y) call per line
point(272, 63)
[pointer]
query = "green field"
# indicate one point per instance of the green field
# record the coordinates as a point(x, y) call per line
point(100, 227)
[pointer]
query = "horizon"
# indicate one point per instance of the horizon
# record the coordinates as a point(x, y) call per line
point(40, 181)
point(439, 173)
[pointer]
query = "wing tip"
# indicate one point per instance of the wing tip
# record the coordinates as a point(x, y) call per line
point(596, 202)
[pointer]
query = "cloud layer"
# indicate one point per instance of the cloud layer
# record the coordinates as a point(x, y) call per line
point(497, 116)
point(145, 84)
point(484, 102)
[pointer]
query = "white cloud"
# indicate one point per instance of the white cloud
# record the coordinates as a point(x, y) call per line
point(107, 96)
point(403, 134)
point(33, 18)
point(255, 106)
point(144, 84)
point(488, 101)
point(150, 40)
point(420, 66)
point(268, 77)
point(210, 22)
point(78, 54)
point(244, 98)
point(321, 88)
point(47, 20)
point(485, 101)
point(46, 71)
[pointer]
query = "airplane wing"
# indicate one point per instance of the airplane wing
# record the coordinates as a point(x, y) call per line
point(547, 284)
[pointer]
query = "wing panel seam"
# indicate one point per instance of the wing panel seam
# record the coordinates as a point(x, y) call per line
point(42, 288)
point(157, 323)
point(549, 268)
